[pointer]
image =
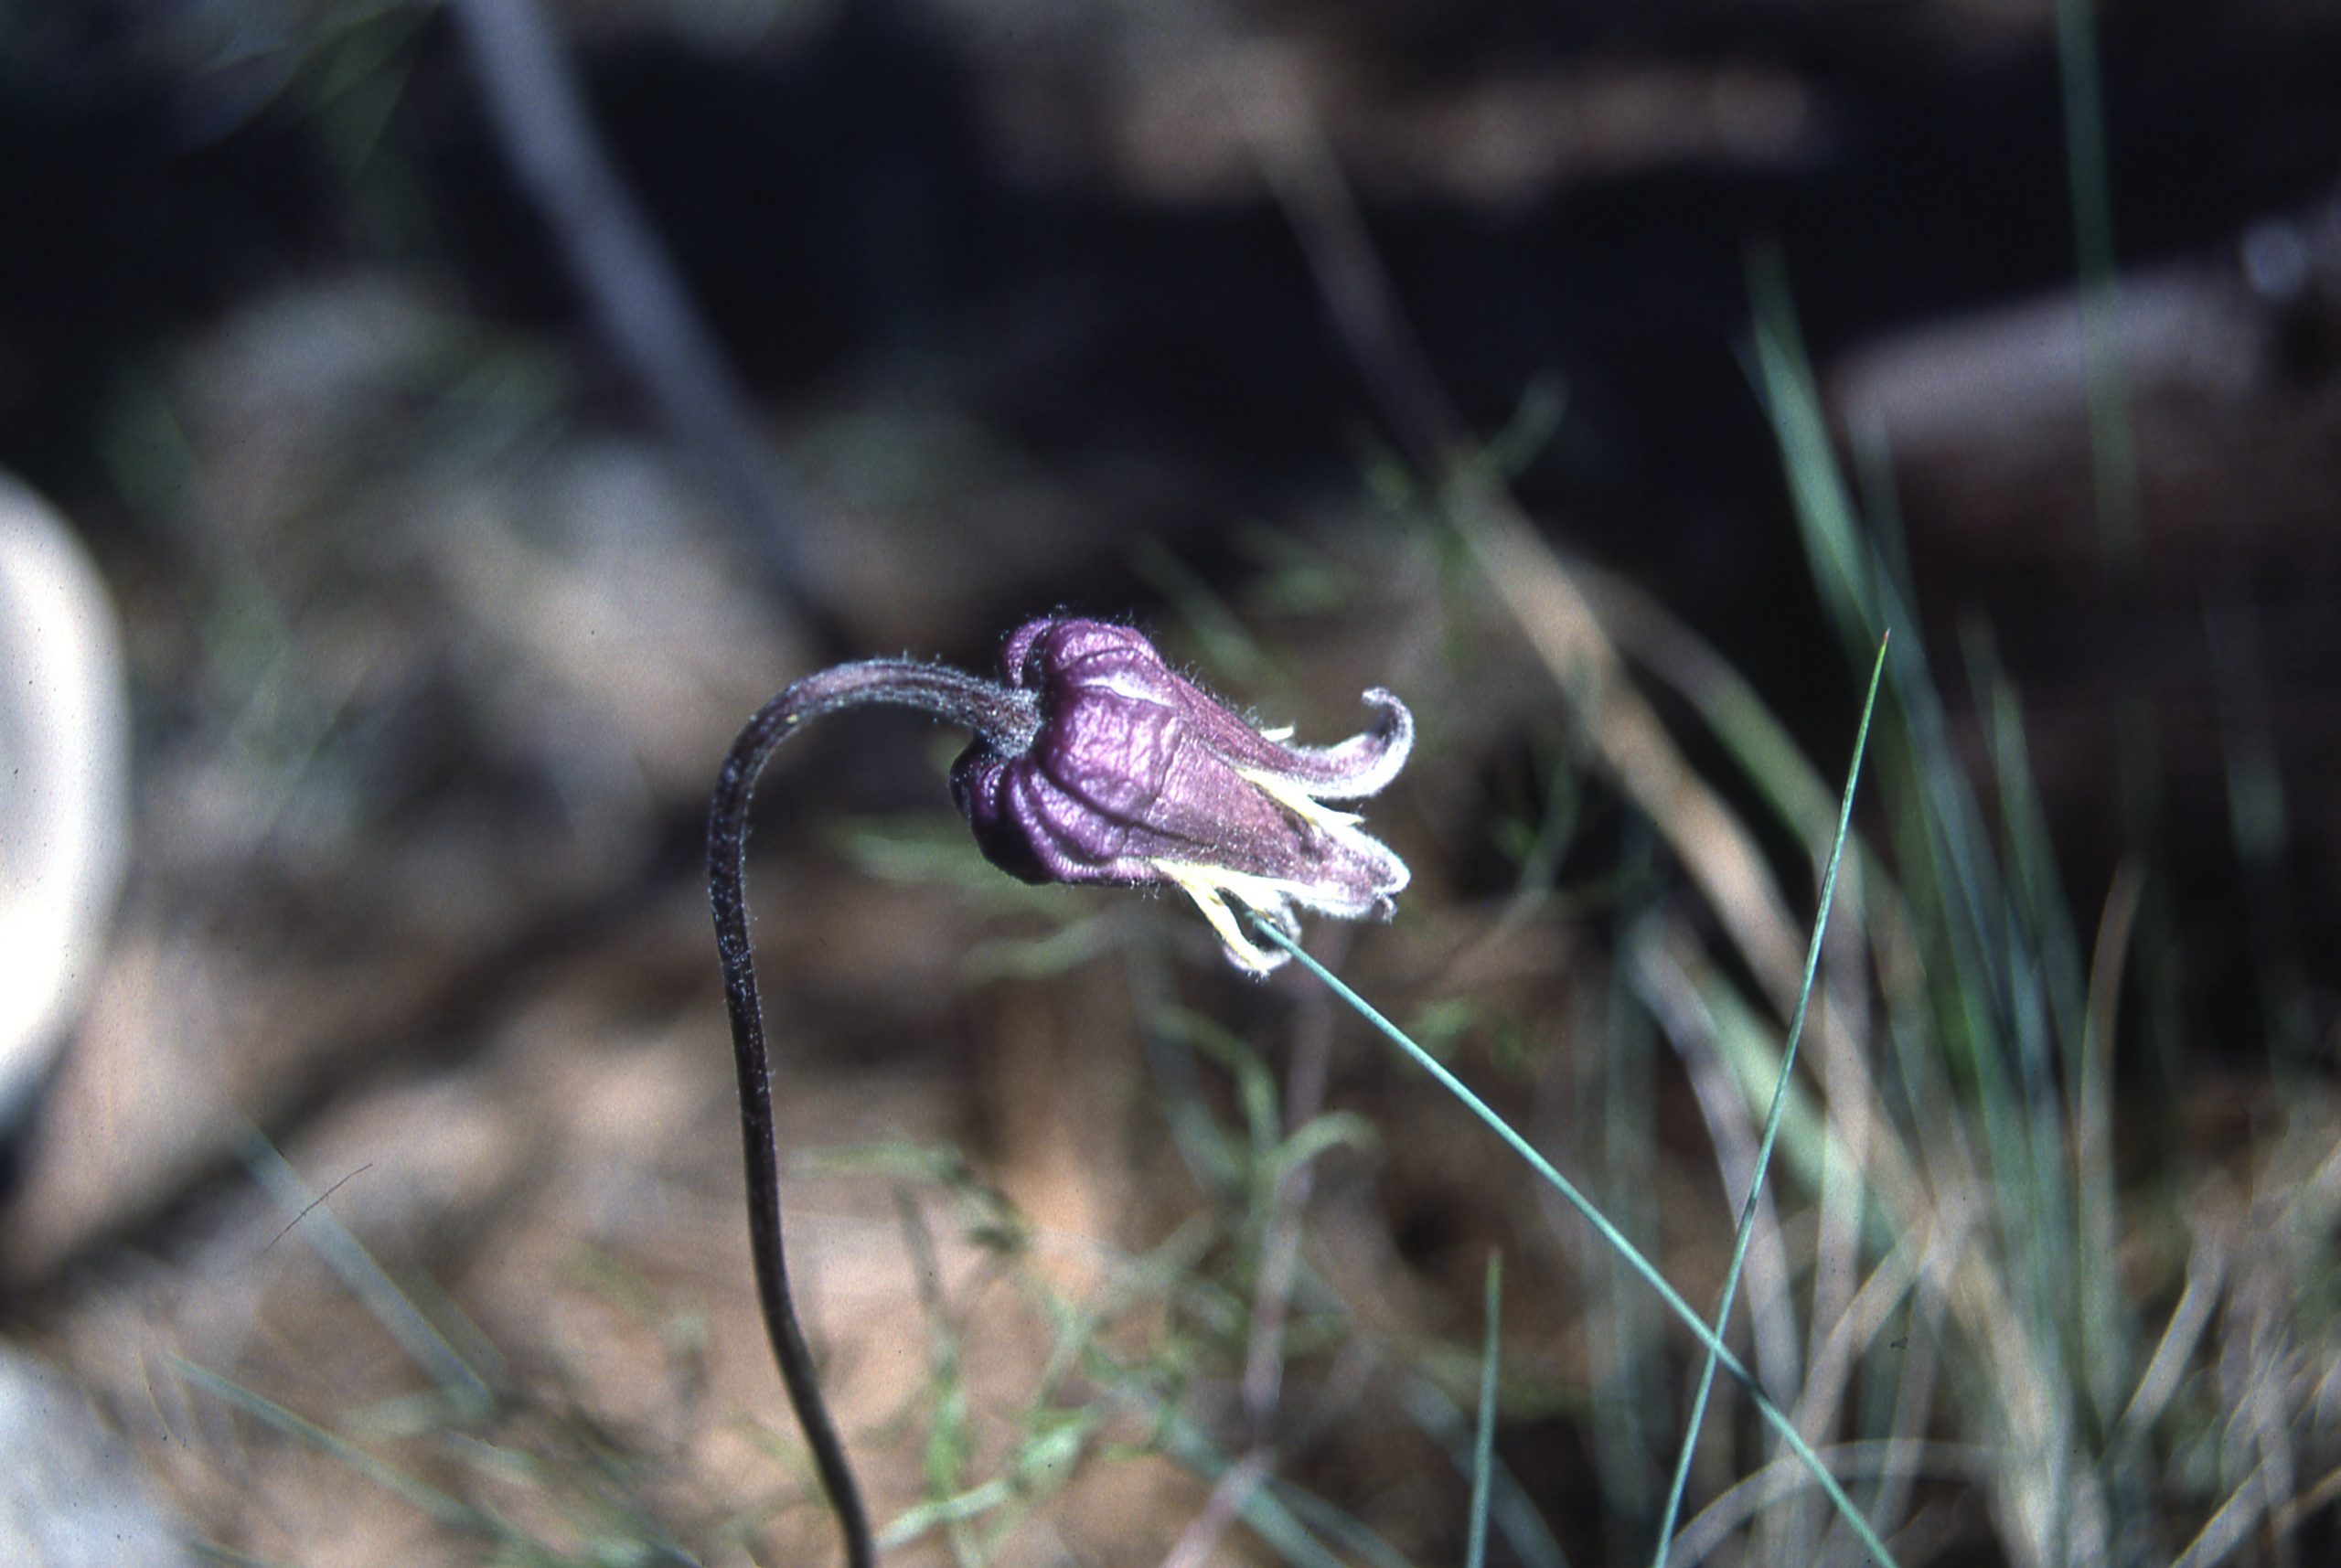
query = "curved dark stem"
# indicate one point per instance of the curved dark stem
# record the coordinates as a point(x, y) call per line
point(1009, 720)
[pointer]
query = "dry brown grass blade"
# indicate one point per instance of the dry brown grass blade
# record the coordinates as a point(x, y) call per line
point(1713, 846)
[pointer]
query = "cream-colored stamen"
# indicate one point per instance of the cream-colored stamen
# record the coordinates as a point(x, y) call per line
point(1207, 884)
point(1298, 801)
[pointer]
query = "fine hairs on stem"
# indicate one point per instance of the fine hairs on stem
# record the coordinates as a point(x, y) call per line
point(1007, 717)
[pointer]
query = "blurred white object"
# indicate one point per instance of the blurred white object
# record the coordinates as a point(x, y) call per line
point(64, 786)
point(73, 1494)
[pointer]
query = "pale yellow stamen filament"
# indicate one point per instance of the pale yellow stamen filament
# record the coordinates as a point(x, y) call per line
point(1298, 801)
point(1206, 884)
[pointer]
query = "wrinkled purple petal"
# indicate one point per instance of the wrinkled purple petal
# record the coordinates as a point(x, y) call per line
point(1059, 658)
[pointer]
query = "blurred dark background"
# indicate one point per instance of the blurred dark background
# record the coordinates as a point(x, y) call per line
point(1042, 219)
point(1043, 226)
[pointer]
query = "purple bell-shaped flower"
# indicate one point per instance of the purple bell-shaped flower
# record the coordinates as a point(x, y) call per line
point(1136, 776)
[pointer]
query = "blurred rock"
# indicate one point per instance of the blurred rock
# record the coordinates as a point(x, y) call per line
point(1983, 411)
point(2222, 618)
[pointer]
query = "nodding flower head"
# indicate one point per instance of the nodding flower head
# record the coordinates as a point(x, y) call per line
point(1136, 776)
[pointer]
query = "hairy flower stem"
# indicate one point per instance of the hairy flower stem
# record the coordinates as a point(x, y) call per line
point(1007, 718)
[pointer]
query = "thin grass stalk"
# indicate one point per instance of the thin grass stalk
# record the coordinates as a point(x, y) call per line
point(2034, 1193)
point(363, 1277)
point(1950, 886)
point(1629, 1369)
point(2113, 467)
point(1911, 1411)
point(1938, 810)
point(1867, 1311)
point(1612, 1106)
point(2226, 1530)
point(2036, 891)
point(1835, 1326)
point(1512, 1513)
point(1986, 996)
point(1702, 1010)
point(2108, 1337)
point(447, 1510)
point(1715, 1523)
point(1196, 1544)
point(1732, 1110)
point(1609, 1233)
point(1747, 1228)
point(1483, 1447)
point(1767, 756)
point(1259, 1506)
point(2048, 998)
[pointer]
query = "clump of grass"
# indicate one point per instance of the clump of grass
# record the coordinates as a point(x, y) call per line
point(2003, 1098)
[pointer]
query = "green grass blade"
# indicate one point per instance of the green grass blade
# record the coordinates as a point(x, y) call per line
point(1483, 1449)
point(1609, 1233)
point(2112, 446)
point(2112, 464)
point(362, 1276)
point(447, 1510)
point(1511, 1512)
point(1772, 1117)
point(1615, 1093)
